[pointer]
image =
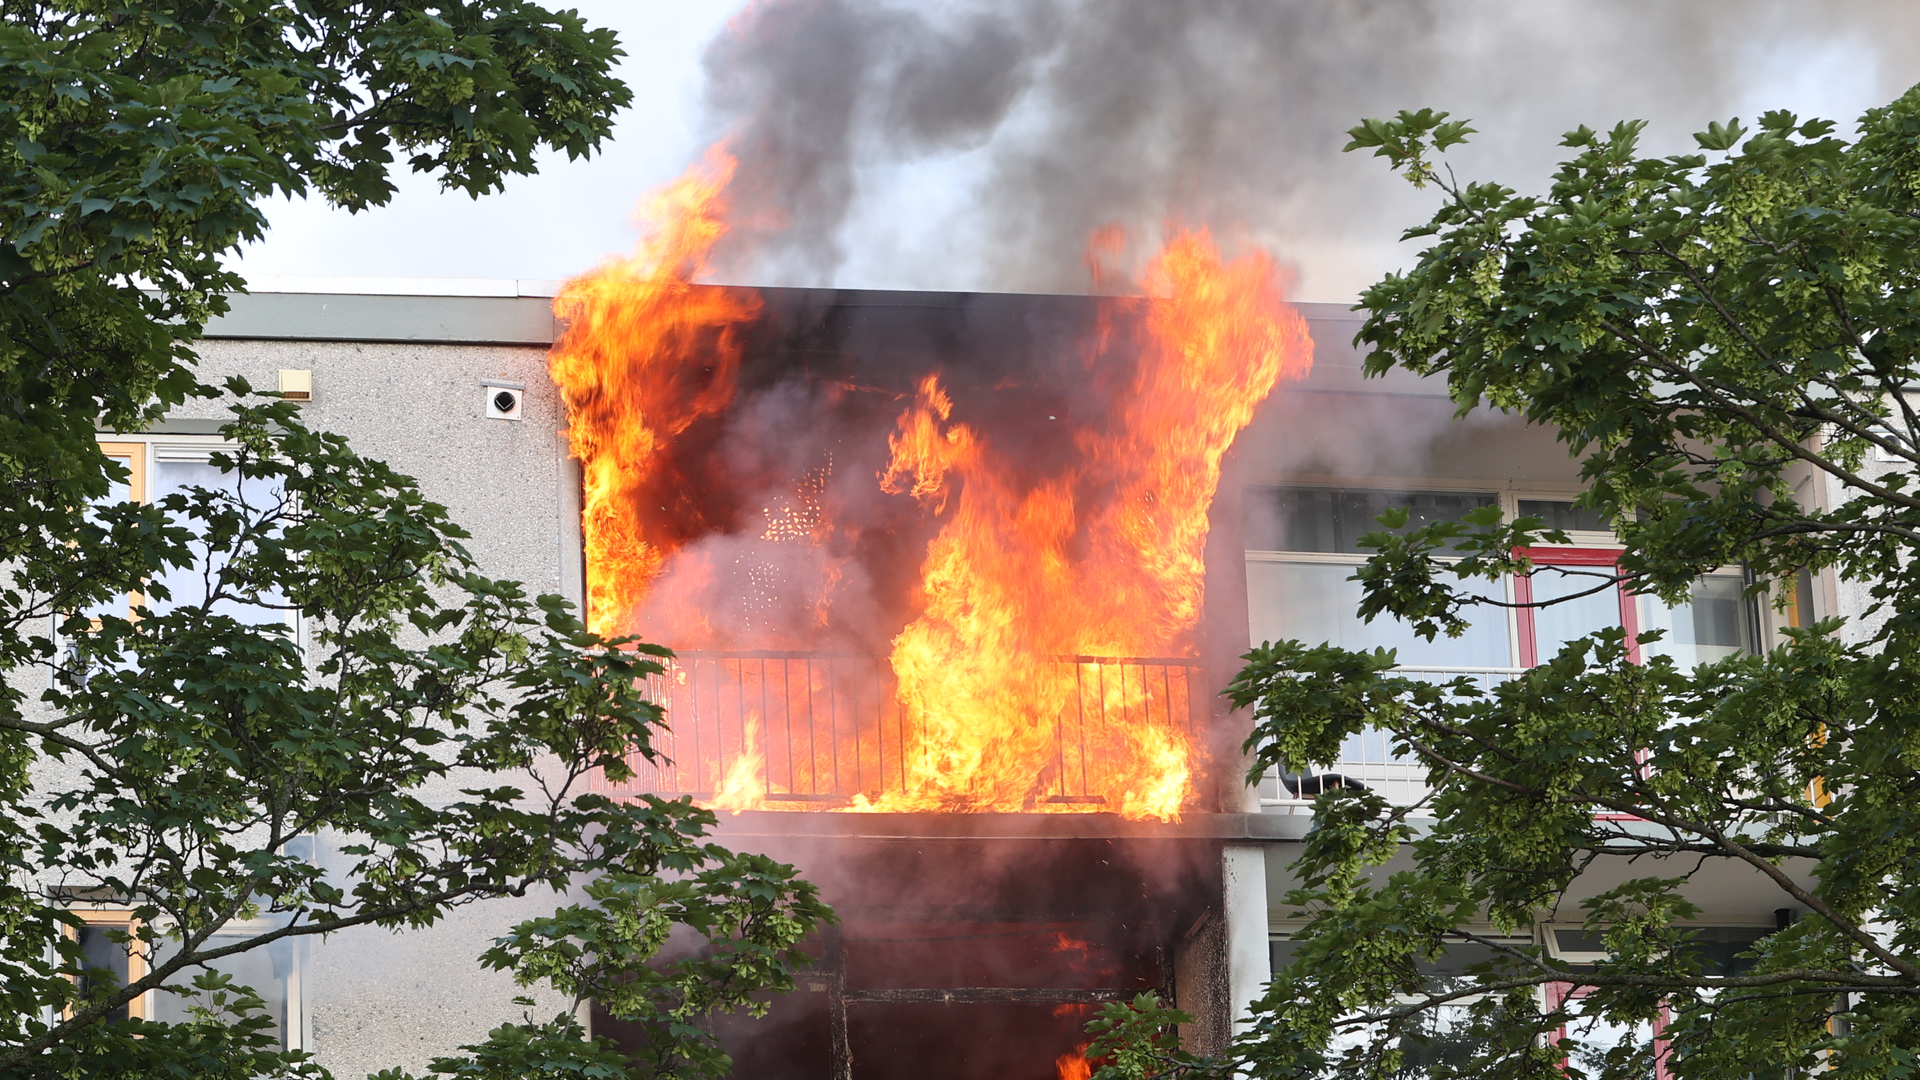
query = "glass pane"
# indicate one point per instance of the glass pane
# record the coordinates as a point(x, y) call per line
point(117, 492)
point(1571, 619)
point(187, 585)
point(1598, 1042)
point(1564, 515)
point(1334, 519)
point(106, 962)
point(1439, 1037)
point(267, 971)
point(1710, 626)
point(1314, 602)
point(1719, 948)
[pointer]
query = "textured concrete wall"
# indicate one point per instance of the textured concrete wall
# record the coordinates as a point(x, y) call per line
point(421, 409)
point(377, 1000)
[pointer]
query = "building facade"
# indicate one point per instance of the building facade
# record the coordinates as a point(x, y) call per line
point(416, 379)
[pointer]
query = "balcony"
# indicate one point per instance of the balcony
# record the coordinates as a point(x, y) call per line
point(1369, 758)
point(823, 728)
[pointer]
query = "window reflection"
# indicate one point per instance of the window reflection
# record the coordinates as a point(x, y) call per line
point(1711, 625)
point(130, 457)
point(1315, 602)
point(187, 585)
point(270, 971)
point(1574, 616)
point(107, 962)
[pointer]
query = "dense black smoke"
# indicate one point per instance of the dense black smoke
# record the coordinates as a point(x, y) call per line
point(976, 144)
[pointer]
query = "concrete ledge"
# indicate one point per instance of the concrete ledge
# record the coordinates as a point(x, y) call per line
point(465, 320)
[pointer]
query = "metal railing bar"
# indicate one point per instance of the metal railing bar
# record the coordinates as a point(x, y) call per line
point(833, 727)
point(697, 755)
point(793, 654)
point(766, 718)
point(1080, 709)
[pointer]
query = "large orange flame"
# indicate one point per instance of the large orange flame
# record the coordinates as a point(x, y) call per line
point(1034, 599)
point(644, 356)
point(1019, 580)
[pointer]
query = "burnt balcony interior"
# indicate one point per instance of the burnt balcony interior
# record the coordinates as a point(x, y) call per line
point(964, 957)
point(822, 379)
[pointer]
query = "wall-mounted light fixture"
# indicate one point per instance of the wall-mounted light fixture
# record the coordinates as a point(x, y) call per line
point(296, 385)
point(503, 399)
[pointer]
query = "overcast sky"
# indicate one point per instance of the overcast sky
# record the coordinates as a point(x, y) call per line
point(970, 144)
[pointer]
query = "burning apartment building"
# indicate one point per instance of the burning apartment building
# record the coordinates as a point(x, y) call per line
point(954, 583)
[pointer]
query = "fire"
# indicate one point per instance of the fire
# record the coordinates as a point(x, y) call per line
point(1018, 579)
point(1066, 943)
point(744, 786)
point(1074, 1065)
point(1043, 585)
point(643, 357)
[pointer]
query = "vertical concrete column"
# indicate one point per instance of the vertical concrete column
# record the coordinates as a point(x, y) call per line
point(1243, 879)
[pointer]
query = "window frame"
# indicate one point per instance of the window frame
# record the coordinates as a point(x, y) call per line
point(115, 918)
point(1526, 618)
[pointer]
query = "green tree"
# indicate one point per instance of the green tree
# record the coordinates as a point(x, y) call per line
point(177, 756)
point(1727, 341)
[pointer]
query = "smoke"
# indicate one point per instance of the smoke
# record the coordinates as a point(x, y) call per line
point(973, 903)
point(803, 89)
point(794, 567)
point(976, 145)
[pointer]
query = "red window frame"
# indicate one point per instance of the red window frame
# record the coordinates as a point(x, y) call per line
point(1558, 556)
point(1628, 605)
point(1559, 992)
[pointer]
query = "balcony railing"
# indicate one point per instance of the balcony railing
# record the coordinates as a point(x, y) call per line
point(821, 728)
point(1369, 758)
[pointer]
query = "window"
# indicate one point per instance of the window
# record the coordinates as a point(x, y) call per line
point(1440, 1037)
point(108, 956)
point(1304, 546)
point(133, 457)
point(159, 466)
point(1565, 516)
point(1719, 950)
point(1586, 602)
point(1715, 622)
point(1334, 519)
point(272, 971)
point(1303, 549)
